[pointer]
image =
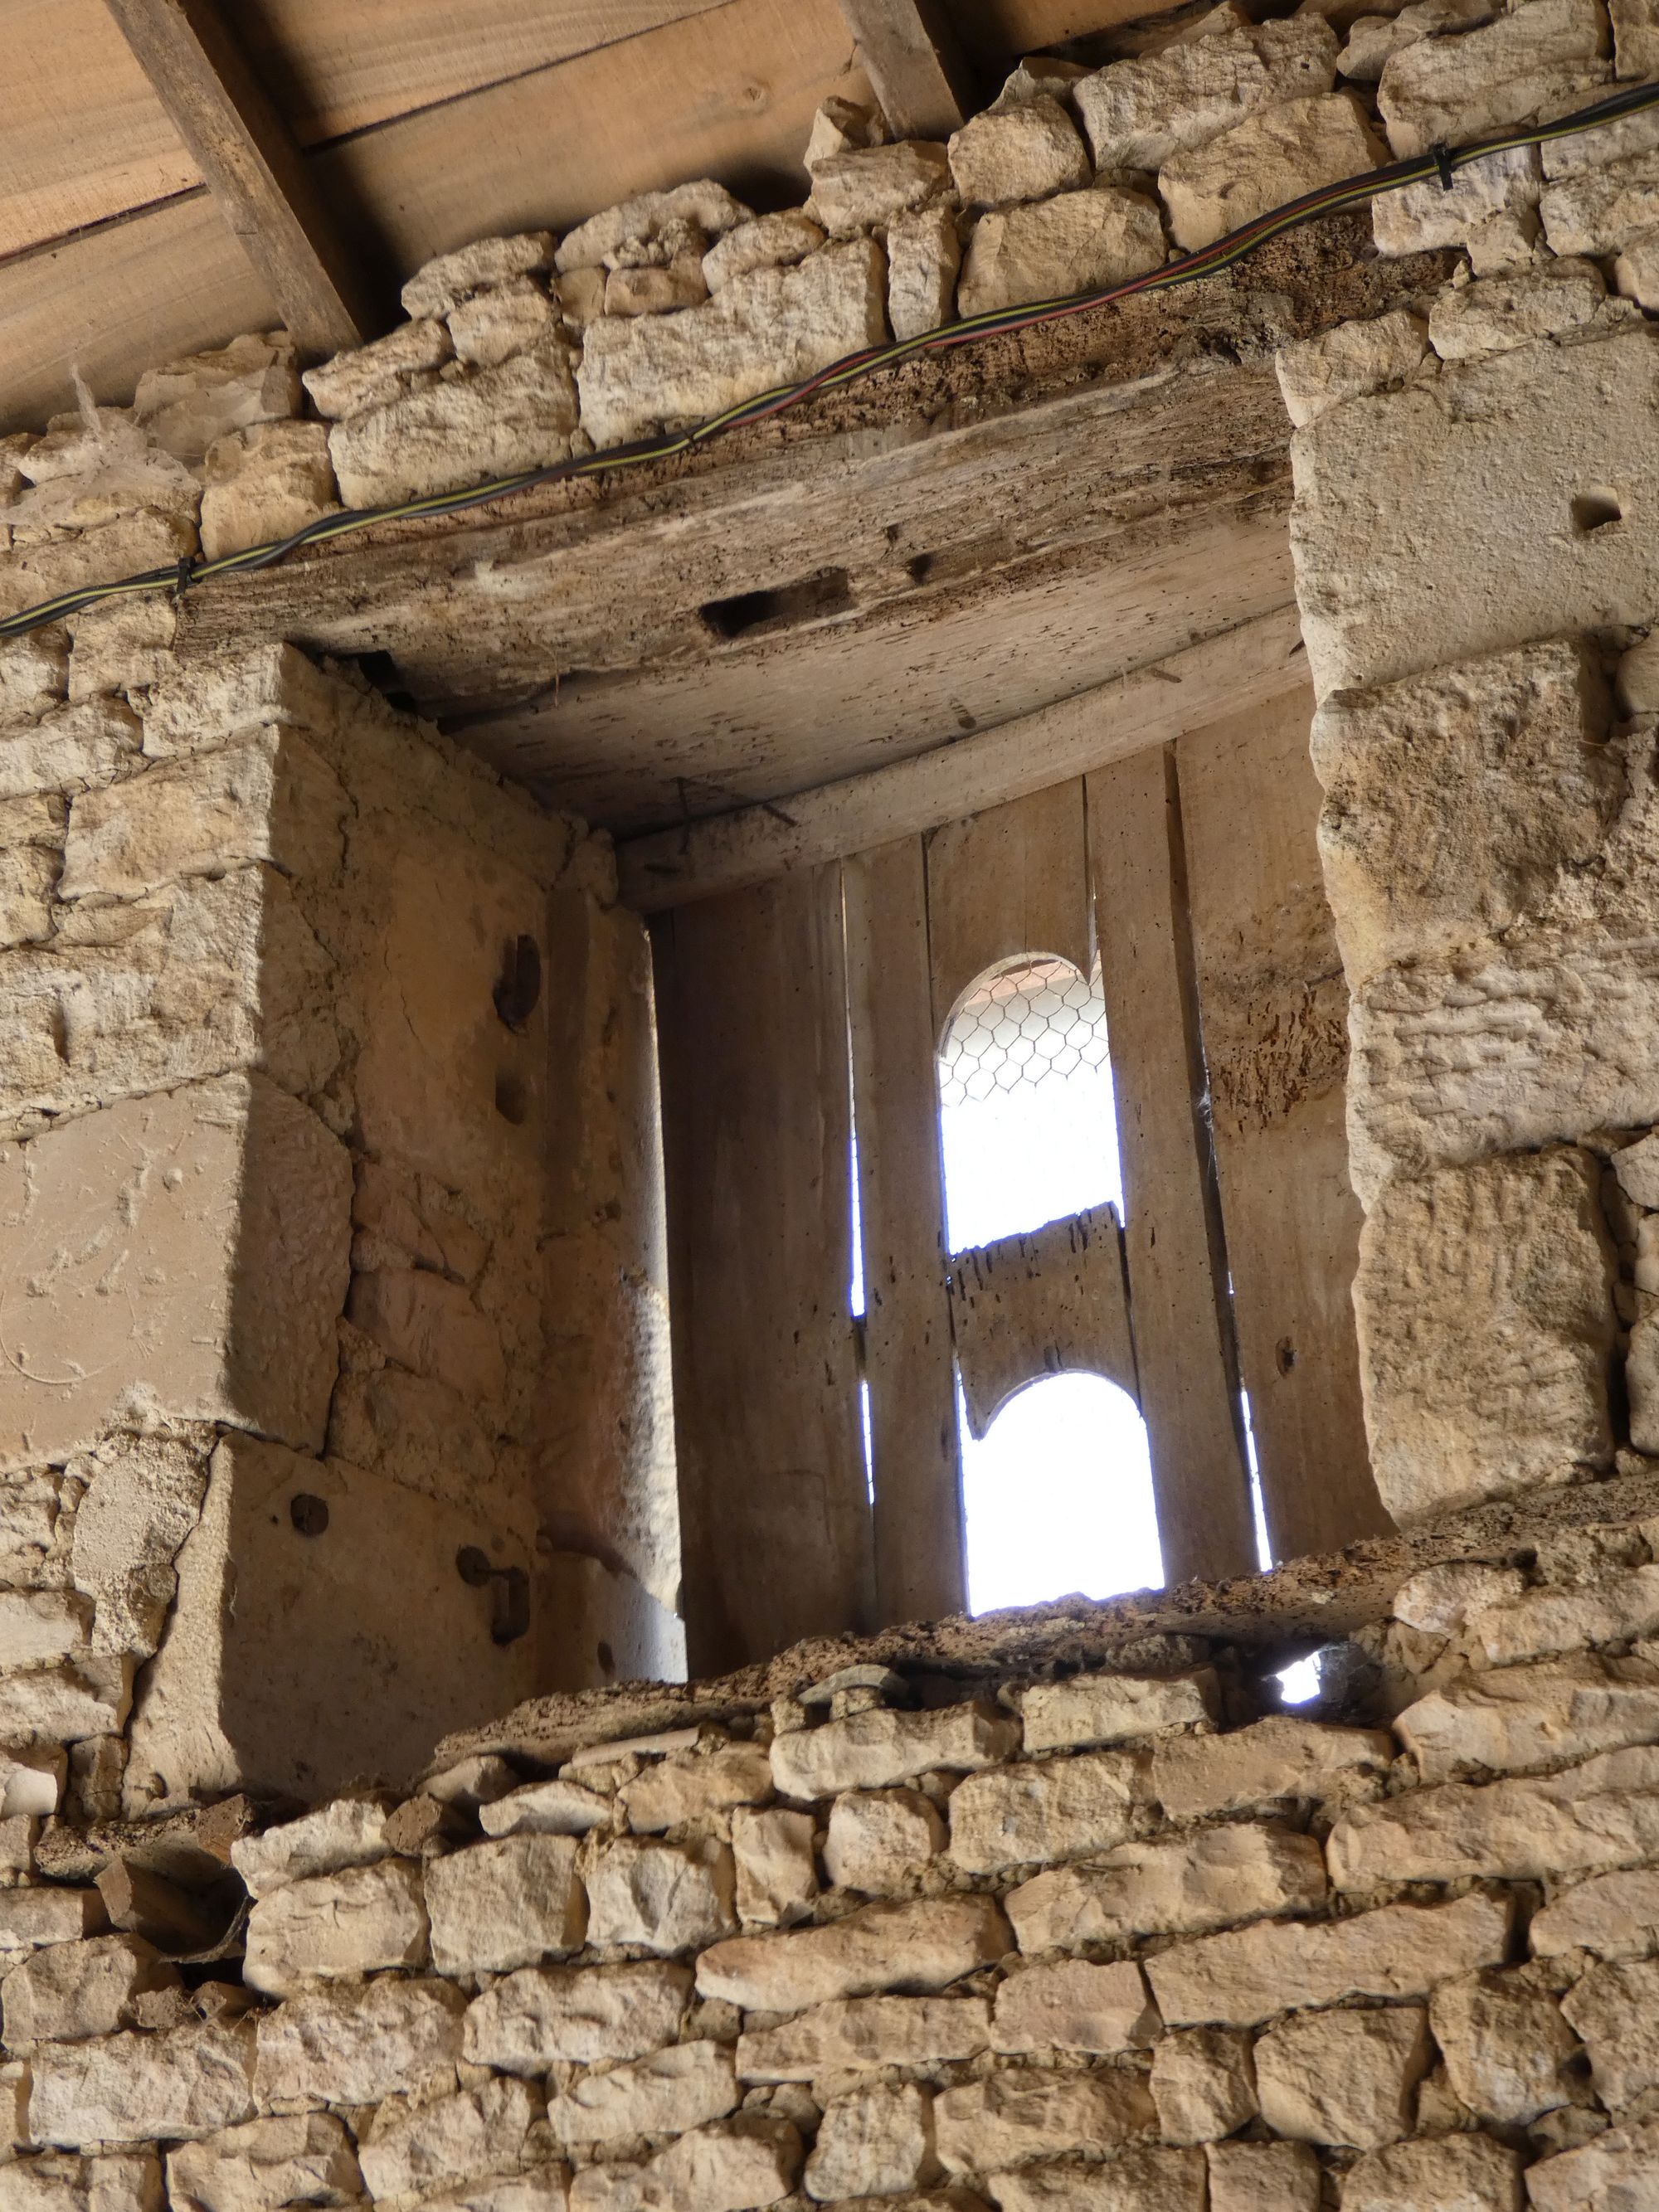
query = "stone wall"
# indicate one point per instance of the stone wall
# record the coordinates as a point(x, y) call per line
point(1128, 1939)
point(302, 1010)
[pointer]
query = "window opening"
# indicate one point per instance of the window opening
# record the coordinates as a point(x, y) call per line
point(1057, 1496)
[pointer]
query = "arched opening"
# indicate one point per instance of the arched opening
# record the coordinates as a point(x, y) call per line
point(1057, 1495)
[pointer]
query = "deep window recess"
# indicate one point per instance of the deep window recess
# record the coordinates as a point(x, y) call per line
point(1058, 1494)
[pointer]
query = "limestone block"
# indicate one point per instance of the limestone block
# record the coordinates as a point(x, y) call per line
point(777, 1873)
point(652, 291)
point(869, 1750)
point(188, 405)
point(1495, 313)
point(864, 189)
point(140, 2089)
point(924, 259)
point(1253, 2177)
point(1249, 1974)
point(129, 2181)
point(67, 1703)
point(1513, 1255)
point(664, 2094)
point(359, 2043)
point(543, 2015)
point(838, 127)
point(541, 2189)
point(1616, 1915)
point(668, 1897)
point(1137, 114)
point(1134, 2180)
point(1576, 1822)
point(1453, 2173)
point(265, 2163)
point(876, 2141)
point(240, 1246)
point(1373, 39)
point(336, 1924)
point(1274, 155)
point(773, 327)
point(1635, 38)
point(264, 483)
point(1505, 2044)
point(1446, 91)
point(125, 547)
point(922, 1946)
point(440, 284)
point(877, 1840)
point(1071, 2005)
point(354, 1697)
point(1343, 2077)
point(546, 1808)
point(752, 2158)
point(426, 1323)
point(1054, 1808)
point(412, 2151)
point(1615, 2009)
point(1505, 757)
point(29, 877)
point(72, 748)
point(1009, 2119)
point(1018, 150)
point(1042, 75)
point(269, 798)
point(1105, 1708)
point(768, 241)
point(349, 1832)
point(505, 1904)
point(462, 430)
point(1600, 210)
point(31, 1917)
point(31, 1780)
point(207, 701)
point(1439, 1600)
point(1203, 2083)
point(491, 326)
point(678, 1789)
point(1073, 243)
point(37, 1627)
point(34, 675)
point(403, 361)
point(1442, 463)
point(1619, 2165)
point(709, 207)
point(865, 2034)
point(1274, 1758)
point(1521, 1718)
point(67, 1991)
point(143, 1497)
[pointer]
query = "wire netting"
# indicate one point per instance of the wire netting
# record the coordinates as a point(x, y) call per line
point(1034, 1021)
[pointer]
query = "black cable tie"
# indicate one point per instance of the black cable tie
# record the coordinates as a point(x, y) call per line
point(184, 577)
point(1443, 161)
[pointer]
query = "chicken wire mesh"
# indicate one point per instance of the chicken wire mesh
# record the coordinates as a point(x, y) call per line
point(1034, 1021)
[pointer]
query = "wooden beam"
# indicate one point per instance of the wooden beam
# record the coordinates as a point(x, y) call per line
point(920, 1557)
point(1252, 664)
point(915, 64)
point(1051, 1302)
point(254, 170)
point(1178, 1305)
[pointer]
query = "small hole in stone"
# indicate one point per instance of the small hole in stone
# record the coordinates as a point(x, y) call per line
point(1284, 1355)
point(511, 1099)
point(1594, 510)
point(606, 1657)
point(519, 987)
point(308, 1513)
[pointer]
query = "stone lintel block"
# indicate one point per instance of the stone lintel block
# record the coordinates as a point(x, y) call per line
point(355, 1699)
point(206, 1278)
point(1484, 1304)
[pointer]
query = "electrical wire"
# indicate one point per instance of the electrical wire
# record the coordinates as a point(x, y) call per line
point(1440, 164)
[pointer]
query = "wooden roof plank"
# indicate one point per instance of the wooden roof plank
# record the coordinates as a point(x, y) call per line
point(914, 64)
point(253, 168)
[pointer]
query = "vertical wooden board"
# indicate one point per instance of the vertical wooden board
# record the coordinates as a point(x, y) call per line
point(1012, 879)
point(1275, 1013)
point(1177, 1262)
point(775, 1519)
point(919, 1556)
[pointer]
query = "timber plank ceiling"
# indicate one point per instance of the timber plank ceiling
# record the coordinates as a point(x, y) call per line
point(418, 124)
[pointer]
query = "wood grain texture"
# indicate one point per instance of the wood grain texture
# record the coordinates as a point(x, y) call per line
point(920, 1546)
point(1255, 662)
point(271, 199)
point(1184, 1351)
point(1274, 1010)
point(1054, 1300)
point(915, 65)
point(1012, 880)
point(774, 1520)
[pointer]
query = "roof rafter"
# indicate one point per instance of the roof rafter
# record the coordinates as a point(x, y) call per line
point(255, 171)
point(914, 64)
